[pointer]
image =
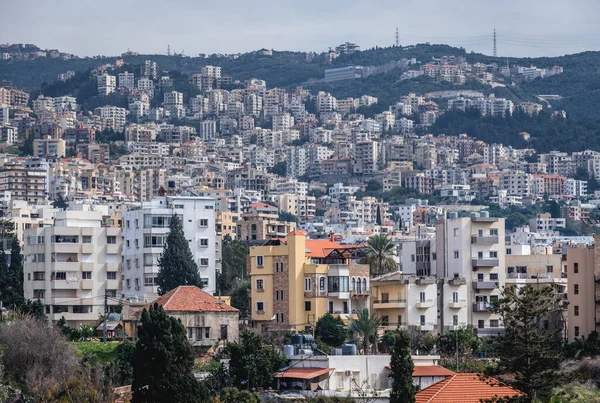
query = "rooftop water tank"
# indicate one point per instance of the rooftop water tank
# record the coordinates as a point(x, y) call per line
point(453, 214)
point(297, 339)
point(288, 350)
point(485, 214)
point(308, 339)
point(336, 351)
point(474, 215)
point(349, 349)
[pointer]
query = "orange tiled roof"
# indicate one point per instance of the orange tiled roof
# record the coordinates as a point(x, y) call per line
point(191, 298)
point(465, 388)
point(320, 247)
point(303, 373)
point(262, 205)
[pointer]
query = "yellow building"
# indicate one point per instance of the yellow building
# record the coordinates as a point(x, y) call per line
point(295, 281)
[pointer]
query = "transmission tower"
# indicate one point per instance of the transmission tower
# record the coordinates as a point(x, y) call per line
point(495, 47)
point(397, 37)
point(168, 50)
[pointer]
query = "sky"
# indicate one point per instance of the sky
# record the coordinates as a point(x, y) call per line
point(109, 27)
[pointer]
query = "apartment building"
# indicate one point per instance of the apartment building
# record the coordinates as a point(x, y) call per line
point(145, 230)
point(583, 294)
point(49, 148)
point(472, 249)
point(303, 207)
point(70, 266)
point(113, 116)
point(106, 84)
point(544, 222)
point(295, 281)
point(25, 180)
point(126, 80)
point(256, 226)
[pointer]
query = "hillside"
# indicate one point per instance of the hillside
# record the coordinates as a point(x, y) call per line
point(579, 85)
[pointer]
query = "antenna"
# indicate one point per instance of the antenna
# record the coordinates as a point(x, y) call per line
point(168, 50)
point(495, 47)
point(397, 37)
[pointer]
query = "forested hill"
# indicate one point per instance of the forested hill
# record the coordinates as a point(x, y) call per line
point(579, 85)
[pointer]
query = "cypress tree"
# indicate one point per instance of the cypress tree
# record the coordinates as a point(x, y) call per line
point(4, 276)
point(13, 290)
point(163, 361)
point(176, 263)
point(403, 389)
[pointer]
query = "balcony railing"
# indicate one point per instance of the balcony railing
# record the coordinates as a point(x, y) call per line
point(490, 331)
point(489, 262)
point(482, 307)
point(389, 303)
point(457, 304)
point(457, 281)
point(359, 293)
point(484, 240)
point(425, 303)
point(485, 285)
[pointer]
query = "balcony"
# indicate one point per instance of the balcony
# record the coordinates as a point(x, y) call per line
point(482, 307)
point(112, 249)
point(457, 304)
point(112, 284)
point(489, 262)
point(485, 285)
point(484, 219)
point(393, 326)
point(426, 326)
point(64, 285)
point(425, 281)
point(454, 327)
point(390, 304)
point(484, 240)
point(516, 276)
point(87, 284)
point(490, 331)
point(424, 303)
point(360, 294)
point(457, 281)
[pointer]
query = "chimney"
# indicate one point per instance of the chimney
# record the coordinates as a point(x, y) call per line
point(332, 237)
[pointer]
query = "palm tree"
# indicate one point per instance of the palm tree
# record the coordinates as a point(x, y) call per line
point(365, 327)
point(380, 250)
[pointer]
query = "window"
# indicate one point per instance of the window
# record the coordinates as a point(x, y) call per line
point(576, 331)
point(422, 296)
point(111, 293)
point(190, 331)
point(60, 275)
point(149, 281)
point(494, 323)
point(322, 284)
point(479, 276)
point(307, 284)
point(150, 259)
point(39, 294)
point(86, 275)
point(549, 269)
point(455, 320)
point(385, 320)
point(203, 261)
point(455, 231)
point(479, 232)
point(39, 258)
point(455, 254)
point(87, 239)
point(509, 251)
point(82, 309)
point(422, 321)
point(204, 242)
point(493, 276)
point(127, 223)
point(385, 297)
point(480, 324)
point(575, 267)
point(209, 207)
point(223, 332)
point(39, 276)
point(111, 275)
point(281, 295)
point(207, 332)
point(204, 282)
point(277, 267)
point(307, 307)
point(137, 243)
point(111, 240)
point(260, 284)
point(454, 297)
point(154, 241)
point(494, 232)
point(198, 333)
point(128, 283)
point(493, 253)
point(480, 255)
point(576, 289)
point(412, 258)
point(203, 222)
point(433, 256)
point(260, 261)
point(276, 295)
point(260, 306)
point(127, 243)
point(576, 310)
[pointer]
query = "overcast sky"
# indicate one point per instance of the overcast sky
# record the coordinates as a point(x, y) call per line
point(110, 27)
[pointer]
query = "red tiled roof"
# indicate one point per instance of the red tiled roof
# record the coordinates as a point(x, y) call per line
point(303, 373)
point(262, 205)
point(320, 247)
point(465, 388)
point(297, 232)
point(191, 298)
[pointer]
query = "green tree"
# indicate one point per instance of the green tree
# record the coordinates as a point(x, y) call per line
point(365, 327)
point(234, 255)
point(120, 370)
point(289, 217)
point(279, 169)
point(11, 276)
point(331, 330)
point(233, 395)
point(380, 250)
point(60, 202)
point(403, 388)
point(34, 309)
point(239, 296)
point(163, 361)
point(526, 350)
point(176, 263)
point(252, 364)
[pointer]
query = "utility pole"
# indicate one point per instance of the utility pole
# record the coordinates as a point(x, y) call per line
point(105, 314)
point(495, 47)
point(397, 38)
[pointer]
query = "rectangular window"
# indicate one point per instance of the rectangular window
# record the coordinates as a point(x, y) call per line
point(455, 254)
point(385, 320)
point(127, 243)
point(198, 333)
point(307, 284)
point(494, 323)
point(111, 293)
point(204, 282)
point(454, 297)
point(481, 324)
point(60, 275)
point(455, 231)
point(433, 256)
point(39, 294)
point(207, 332)
point(576, 310)
point(204, 242)
point(509, 251)
point(39, 258)
point(422, 296)
point(87, 239)
point(322, 284)
point(494, 232)
point(493, 276)
point(307, 306)
point(260, 306)
point(455, 320)
point(154, 241)
point(575, 267)
point(493, 254)
point(204, 261)
point(260, 261)
point(87, 275)
point(203, 222)
point(39, 276)
point(549, 269)
point(111, 275)
point(150, 259)
point(128, 283)
point(149, 281)
point(111, 240)
point(576, 331)
point(576, 289)
point(190, 331)
point(260, 284)
point(422, 320)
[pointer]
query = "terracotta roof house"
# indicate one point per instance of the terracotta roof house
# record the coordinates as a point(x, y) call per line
point(208, 320)
point(465, 388)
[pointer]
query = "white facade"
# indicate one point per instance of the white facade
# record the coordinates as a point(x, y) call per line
point(575, 188)
point(145, 231)
point(126, 80)
point(106, 84)
point(71, 265)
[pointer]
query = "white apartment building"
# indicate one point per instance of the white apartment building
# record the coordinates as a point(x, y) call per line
point(173, 103)
point(65, 104)
point(303, 207)
point(71, 265)
point(106, 84)
point(146, 85)
point(575, 188)
point(283, 121)
point(148, 147)
point(366, 158)
point(114, 117)
point(126, 80)
point(211, 71)
point(145, 230)
point(338, 190)
point(516, 183)
point(4, 114)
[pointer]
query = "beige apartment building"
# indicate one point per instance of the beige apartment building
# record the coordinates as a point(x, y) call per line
point(72, 265)
point(303, 207)
point(26, 181)
point(254, 227)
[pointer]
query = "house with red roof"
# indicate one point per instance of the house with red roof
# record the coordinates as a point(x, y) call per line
point(208, 321)
point(466, 388)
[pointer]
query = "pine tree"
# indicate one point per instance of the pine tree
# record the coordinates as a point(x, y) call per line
point(176, 263)
point(163, 361)
point(403, 388)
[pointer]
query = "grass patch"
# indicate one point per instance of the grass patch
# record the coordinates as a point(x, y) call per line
point(104, 353)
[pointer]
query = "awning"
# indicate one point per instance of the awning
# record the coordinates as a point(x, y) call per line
point(303, 373)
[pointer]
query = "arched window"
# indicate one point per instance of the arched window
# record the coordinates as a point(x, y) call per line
point(353, 284)
point(364, 284)
point(321, 283)
point(358, 286)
